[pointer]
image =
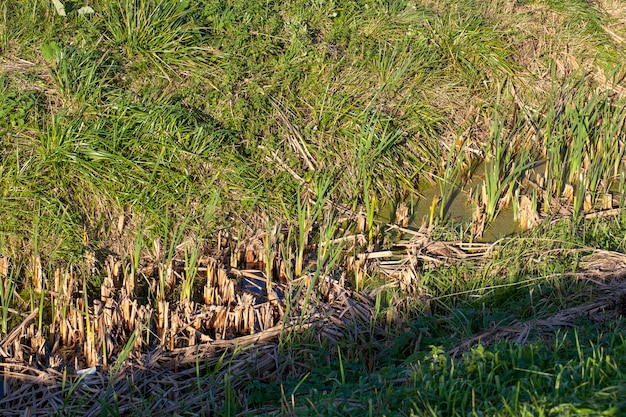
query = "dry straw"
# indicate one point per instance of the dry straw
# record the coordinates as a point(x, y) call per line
point(121, 348)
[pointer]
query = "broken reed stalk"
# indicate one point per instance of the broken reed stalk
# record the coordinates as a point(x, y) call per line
point(268, 245)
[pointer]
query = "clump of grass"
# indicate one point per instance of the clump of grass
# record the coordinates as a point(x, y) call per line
point(580, 147)
point(79, 74)
point(162, 33)
point(468, 46)
point(506, 162)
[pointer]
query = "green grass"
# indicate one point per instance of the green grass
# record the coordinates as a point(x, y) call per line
point(557, 371)
point(154, 129)
point(504, 380)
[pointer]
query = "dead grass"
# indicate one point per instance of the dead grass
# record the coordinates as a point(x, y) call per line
point(126, 350)
point(124, 355)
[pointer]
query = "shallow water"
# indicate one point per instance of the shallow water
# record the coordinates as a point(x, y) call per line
point(459, 211)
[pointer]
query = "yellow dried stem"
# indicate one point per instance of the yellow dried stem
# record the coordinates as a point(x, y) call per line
point(237, 315)
point(250, 321)
point(106, 289)
point(541, 181)
point(192, 336)
point(120, 224)
point(229, 296)
point(174, 326)
point(170, 275)
point(52, 331)
point(110, 317)
point(131, 323)
point(249, 256)
point(478, 217)
point(222, 277)
point(361, 221)
point(163, 320)
point(80, 325)
point(125, 307)
point(77, 323)
point(207, 295)
point(97, 312)
point(528, 216)
point(234, 257)
point(18, 355)
point(91, 355)
point(258, 316)
point(282, 270)
point(266, 316)
point(272, 297)
point(129, 283)
point(223, 293)
point(218, 321)
point(38, 276)
point(350, 260)
point(101, 344)
point(68, 284)
point(245, 320)
point(38, 343)
point(113, 270)
point(359, 274)
point(228, 322)
point(568, 193)
point(402, 215)
point(211, 273)
point(63, 331)
point(57, 280)
point(4, 267)
point(143, 318)
point(255, 252)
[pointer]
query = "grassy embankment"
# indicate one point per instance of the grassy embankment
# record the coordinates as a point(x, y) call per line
point(151, 152)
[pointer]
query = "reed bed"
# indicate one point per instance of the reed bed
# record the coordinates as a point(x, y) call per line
point(119, 350)
point(130, 346)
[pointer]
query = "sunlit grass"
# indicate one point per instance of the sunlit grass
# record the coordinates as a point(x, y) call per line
point(152, 132)
point(162, 32)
